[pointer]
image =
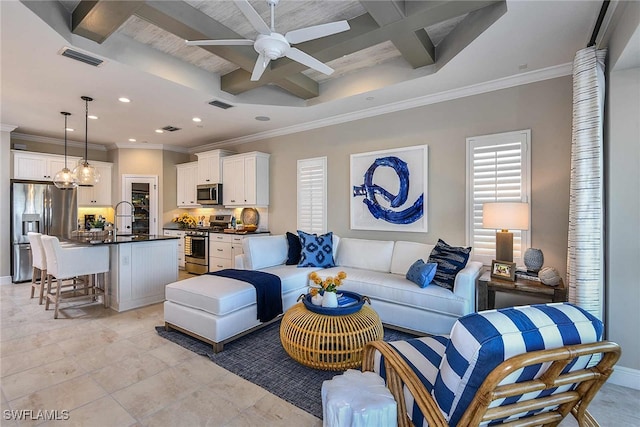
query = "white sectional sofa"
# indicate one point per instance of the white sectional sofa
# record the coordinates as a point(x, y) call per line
point(377, 269)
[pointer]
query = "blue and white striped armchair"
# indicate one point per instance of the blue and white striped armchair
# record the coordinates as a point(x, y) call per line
point(529, 365)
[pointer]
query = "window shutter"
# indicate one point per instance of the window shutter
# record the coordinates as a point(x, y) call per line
point(497, 169)
point(312, 195)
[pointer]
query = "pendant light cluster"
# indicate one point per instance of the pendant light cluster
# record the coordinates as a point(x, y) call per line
point(83, 175)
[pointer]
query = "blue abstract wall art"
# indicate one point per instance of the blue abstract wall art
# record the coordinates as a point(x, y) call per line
point(389, 190)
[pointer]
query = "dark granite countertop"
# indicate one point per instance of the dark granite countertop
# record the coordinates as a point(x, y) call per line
point(118, 239)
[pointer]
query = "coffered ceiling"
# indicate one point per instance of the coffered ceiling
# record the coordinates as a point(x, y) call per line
point(396, 54)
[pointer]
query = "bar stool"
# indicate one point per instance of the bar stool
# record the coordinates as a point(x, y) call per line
point(67, 262)
point(39, 263)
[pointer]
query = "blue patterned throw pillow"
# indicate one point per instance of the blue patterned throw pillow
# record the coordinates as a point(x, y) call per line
point(317, 251)
point(450, 260)
point(421, 273)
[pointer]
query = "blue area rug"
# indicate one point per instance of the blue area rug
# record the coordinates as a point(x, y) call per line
point(259, 357)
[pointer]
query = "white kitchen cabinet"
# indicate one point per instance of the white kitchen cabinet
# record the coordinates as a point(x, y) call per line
point(39, 166)
point(210, 166)
point(100, 193)
point(180, 234)
point(220, 253)
point(245, 179)
point(186, 191)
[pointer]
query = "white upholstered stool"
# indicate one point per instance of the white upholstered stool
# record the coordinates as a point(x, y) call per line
point(66, 262)
point(39, 264)
point(357, 399)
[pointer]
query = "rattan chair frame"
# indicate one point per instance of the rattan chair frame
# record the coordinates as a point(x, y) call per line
point(588, 381)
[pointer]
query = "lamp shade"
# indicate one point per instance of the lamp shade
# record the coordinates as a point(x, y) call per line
point(506, 215)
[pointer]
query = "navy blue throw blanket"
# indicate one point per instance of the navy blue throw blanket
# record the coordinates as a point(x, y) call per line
point(268, 290)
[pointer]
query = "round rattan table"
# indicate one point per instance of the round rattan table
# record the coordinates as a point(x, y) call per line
point(326, 342)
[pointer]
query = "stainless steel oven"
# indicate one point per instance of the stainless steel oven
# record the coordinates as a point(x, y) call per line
point(196, 251)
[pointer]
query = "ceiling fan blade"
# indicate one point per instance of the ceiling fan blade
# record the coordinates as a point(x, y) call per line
point(258, 69)
point(229, 42)
point(316, 32)
point(254, 17)
point(308, 60)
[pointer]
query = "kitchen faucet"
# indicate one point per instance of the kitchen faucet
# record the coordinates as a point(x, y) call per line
point(123, 216)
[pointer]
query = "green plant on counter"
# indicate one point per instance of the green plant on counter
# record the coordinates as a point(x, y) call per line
point(98, 223)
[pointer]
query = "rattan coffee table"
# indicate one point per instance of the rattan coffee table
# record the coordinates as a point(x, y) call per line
point(327, 342)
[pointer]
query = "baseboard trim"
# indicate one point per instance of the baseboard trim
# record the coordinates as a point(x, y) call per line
point(5, 280)
point(625, 377)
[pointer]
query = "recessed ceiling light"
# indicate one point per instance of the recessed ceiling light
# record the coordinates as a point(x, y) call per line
point(123, 99)
point(132, 140)
point(70, 129)
point(197, 119)
point(159, 131)
point(263, 118)
point(93, 117)
point(369, 98)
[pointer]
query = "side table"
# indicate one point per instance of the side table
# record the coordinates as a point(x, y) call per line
point(487, 286)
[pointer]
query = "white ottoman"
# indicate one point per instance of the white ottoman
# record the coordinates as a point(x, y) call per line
point(357, 399)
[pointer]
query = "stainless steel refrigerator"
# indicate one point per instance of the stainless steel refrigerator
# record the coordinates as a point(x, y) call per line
point(39, 207)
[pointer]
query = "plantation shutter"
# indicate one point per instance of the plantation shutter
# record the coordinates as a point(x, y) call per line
point(497, 171)
point(312, 195)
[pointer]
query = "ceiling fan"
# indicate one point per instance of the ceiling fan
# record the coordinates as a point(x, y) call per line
point(271, 45)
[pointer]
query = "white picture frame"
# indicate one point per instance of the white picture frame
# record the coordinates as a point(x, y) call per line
point(386, 170)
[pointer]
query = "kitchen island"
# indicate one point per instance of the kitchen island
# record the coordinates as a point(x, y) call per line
point(140, 267)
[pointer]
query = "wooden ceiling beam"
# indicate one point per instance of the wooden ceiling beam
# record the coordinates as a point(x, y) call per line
point(187, 22)
point(365, 32)
point(415, 46)
point(97, 20)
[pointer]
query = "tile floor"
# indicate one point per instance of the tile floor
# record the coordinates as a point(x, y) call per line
point(112, 369)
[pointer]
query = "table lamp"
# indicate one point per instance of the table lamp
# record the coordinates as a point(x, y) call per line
point(505, 216)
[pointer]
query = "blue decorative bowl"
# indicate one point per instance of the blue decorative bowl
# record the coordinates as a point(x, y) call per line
point(337, 311)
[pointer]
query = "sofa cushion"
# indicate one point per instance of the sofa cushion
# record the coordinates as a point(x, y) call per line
point(317, 251)
point(396, 289)
point(405, 253)
point(421, 273)
point(366, 254)
point(450, 260)
point(293, 254)
point(292, 277)
point(215, 295)
point(265, 251)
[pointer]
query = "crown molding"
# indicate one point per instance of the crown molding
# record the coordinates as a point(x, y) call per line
point(476, 89)
point(7, 128)
point(56, 141)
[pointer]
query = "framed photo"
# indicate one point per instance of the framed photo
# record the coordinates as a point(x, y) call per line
point(503, 270)
point(389, 190)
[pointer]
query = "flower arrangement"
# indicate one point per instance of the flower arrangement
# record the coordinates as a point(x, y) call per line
point(330, 284)
point(185, 220)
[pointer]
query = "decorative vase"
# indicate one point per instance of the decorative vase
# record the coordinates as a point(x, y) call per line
point(533, 259)
point(316, 299)
point(330, 300)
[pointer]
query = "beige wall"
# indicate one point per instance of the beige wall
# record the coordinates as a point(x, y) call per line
point(5, 207)
point(543, 107)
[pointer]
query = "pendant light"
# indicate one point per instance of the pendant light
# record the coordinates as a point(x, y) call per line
point(86, 175)
point(64, 179)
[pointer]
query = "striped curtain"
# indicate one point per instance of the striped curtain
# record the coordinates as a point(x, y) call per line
point(585, 255)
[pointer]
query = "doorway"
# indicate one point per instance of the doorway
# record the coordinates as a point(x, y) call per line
point(141, 217)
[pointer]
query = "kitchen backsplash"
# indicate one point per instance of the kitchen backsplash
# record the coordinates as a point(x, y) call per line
point(263, 223)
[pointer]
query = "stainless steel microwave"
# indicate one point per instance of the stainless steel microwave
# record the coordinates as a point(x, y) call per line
point(210, 194)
